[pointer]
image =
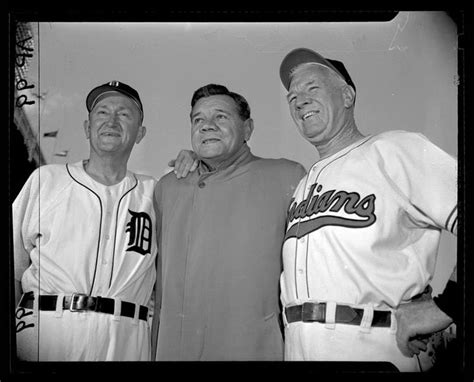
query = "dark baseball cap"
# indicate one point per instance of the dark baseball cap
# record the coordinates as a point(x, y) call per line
point(303, 55)
point(100, 92)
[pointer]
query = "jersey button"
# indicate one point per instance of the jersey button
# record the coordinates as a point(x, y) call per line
point(107, 237)
point(302, 240)
point(201, 184)
point(300, 271)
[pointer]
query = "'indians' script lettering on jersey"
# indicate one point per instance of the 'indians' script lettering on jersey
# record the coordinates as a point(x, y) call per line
point(139, 230)
point(331, 201)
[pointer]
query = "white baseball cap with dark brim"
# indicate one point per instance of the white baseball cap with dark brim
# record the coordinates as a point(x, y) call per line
point(304, 55)
point(108, 89)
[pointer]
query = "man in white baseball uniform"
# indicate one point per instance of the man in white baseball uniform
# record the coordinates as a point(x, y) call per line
point(363, 227)
point(84, 251)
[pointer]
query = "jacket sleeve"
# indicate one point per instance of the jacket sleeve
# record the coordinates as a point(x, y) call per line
point(158, 284)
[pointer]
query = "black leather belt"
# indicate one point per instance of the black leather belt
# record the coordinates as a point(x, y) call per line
point(316, 312)
point(78, 302)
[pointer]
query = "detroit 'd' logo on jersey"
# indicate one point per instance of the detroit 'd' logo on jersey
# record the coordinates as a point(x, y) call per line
point(357, 212)
point(139, 233)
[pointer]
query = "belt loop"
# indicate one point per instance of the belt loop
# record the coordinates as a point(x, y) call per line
point(330, 315)
point(366, 321)
point(59, 305)
point(117, 309)
point(283, 315)
point(393, 323)
point(136, 314)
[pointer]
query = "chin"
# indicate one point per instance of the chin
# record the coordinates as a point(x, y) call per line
point(108, 148)
point(208, 154)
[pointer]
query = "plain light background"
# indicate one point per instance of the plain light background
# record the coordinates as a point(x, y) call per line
point(405, 71)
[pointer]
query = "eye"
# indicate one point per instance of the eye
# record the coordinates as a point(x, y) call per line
point(313, 88)
point(290, 97)
point(197, 121)
point(221, 117)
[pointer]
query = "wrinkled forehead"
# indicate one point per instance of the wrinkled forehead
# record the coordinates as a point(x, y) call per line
point(215, 102)
point(310, 71)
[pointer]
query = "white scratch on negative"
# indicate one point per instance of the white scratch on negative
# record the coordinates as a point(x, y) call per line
point(400, 29)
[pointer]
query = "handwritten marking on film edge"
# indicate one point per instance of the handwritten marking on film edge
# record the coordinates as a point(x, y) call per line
point(23, 52)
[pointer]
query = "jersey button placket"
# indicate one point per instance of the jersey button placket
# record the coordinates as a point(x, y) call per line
point(300, 273)
point(107, 234)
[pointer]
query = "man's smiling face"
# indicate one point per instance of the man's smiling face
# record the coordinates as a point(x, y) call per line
point(316, 103)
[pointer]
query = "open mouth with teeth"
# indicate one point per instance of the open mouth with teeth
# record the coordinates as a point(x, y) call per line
point(110, 134)
point(210, 140)
point(309, 114)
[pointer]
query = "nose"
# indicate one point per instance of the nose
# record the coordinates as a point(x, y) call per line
point(208, 125)
point(301, 100)
point(113, 118)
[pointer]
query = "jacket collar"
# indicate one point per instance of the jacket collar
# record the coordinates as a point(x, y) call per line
point(242, 156)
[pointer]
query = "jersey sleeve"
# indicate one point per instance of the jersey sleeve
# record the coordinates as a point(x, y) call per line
point(25, 212)
point(422, 175)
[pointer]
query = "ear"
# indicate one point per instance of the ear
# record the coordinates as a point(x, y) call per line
point(248, 129)
point(141, 133)
point(348, 94)
point(87, 129)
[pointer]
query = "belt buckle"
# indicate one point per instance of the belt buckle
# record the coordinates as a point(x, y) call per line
point(313, 312)
point(81, 300)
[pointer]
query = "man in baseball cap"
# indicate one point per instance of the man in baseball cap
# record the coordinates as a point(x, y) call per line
point(363, 229)
point(90, 291)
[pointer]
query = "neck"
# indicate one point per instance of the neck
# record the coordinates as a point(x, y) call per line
point(107, 171)
point(347, 135)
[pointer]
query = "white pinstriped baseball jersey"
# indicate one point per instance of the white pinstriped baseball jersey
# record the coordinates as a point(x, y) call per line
point(363, 230)
point(81, 236)
point(365, 223)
